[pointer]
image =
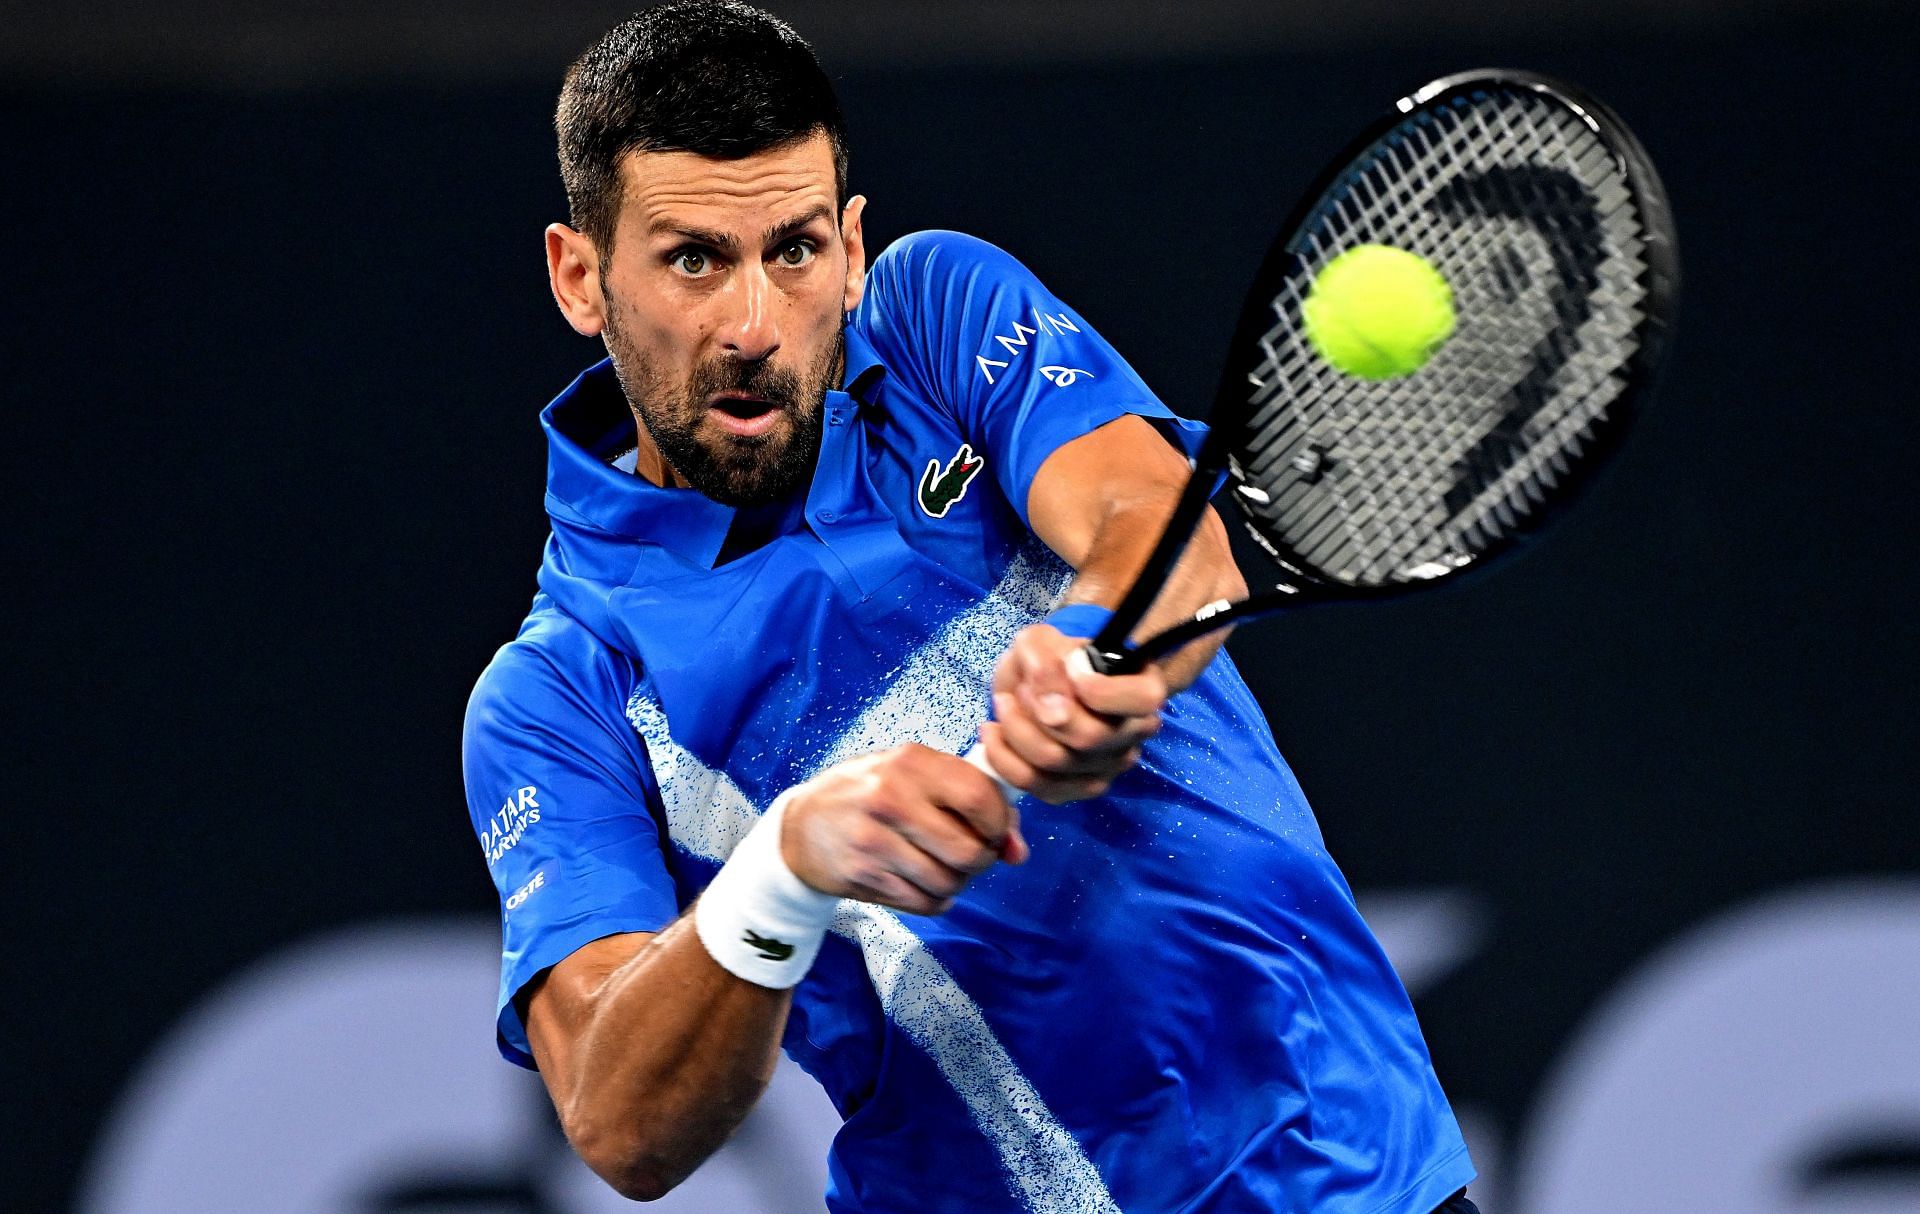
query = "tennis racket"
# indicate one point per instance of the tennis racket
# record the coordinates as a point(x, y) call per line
point(1545, 215)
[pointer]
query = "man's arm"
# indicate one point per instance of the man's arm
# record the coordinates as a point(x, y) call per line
point(1100, 502)
point(653, 1052)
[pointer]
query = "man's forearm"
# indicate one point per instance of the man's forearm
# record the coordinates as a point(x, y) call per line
point(1204, 574)
point(655, 1047)
point(672, 1053)
point(1101, 502)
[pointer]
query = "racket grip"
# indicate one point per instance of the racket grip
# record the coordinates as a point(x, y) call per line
point(977, 755)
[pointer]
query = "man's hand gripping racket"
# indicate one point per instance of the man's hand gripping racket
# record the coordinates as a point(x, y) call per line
point(1543, 213)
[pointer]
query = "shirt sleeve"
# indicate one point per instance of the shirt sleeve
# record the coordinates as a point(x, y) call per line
point(1021, 372)
point(559, 791)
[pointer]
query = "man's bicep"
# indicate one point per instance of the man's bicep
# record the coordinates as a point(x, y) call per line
point(1123, 465)
point(559, 793)
point(557, 1004)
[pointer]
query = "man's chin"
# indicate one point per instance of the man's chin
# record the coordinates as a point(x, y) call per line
point(749, 471)
point(741, 491)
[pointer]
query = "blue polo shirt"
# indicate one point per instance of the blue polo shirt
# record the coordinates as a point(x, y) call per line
point(1173, 1006)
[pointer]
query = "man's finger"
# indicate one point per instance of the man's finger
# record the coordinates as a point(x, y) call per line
point(1046, 686)
point(1019, 730)
point(891, 889)
point(947, 838)
point(1091, 732)
point(1121, 695)
point(1065, 718)
point(1053, 790)
point(927, 873)
point(1007, 761)
point(1053, 758)
point(971, 796)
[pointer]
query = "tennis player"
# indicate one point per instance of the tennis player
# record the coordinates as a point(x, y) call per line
point(814, 522)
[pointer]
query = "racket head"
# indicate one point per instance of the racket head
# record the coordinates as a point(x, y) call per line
point(1547, 218)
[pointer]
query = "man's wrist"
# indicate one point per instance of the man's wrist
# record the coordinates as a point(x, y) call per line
point(757, 919)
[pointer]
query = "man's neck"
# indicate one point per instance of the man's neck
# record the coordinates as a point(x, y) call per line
point(651, 465)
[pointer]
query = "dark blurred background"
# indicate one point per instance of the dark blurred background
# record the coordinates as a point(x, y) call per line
point(1636, 817)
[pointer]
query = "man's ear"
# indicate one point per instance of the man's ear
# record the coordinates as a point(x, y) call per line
point(851, 236)
point(573, 270)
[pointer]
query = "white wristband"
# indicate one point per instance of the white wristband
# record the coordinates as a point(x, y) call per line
point(757, 919)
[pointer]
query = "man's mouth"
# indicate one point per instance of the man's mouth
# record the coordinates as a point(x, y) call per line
point(743, 414)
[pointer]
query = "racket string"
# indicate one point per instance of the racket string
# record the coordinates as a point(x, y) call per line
point(1357, 474)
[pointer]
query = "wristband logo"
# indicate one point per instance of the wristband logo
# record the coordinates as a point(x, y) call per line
point(941, 487)
point(770, 948)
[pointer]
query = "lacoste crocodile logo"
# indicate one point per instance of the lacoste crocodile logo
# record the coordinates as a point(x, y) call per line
point(770, 948)
point(941, 487)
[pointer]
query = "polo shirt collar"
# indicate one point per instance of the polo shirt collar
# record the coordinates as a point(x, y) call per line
point(587, 426)
point(863, 364)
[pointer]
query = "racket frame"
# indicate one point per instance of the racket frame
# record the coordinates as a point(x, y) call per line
point(1109, 650)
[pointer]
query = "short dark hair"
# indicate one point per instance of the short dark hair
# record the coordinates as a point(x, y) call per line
point(714, 77)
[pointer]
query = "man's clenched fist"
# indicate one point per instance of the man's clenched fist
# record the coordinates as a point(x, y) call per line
point(906, 828)
point(1060, 731)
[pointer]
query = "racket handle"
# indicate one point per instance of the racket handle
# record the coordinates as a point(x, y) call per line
point(977, 755)
point(1100, 661)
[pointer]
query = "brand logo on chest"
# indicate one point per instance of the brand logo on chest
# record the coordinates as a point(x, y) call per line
point(941, 487)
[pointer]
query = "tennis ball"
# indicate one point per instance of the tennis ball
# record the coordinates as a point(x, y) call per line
point(1378, 312)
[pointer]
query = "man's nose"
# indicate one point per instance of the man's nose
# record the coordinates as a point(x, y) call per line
point(752, 330)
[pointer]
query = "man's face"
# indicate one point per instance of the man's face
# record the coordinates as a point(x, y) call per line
point(726, 300)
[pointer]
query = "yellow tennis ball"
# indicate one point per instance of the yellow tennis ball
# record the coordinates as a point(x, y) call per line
point(1378, 312)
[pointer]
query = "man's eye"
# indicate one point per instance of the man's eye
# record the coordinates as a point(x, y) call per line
point(796, 253)
point(692, 262)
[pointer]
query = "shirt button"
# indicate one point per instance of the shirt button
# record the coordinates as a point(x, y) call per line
point(826, 516)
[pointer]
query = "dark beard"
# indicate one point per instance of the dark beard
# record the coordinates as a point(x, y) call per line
point(740, 470)
point(735, 470)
